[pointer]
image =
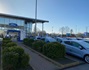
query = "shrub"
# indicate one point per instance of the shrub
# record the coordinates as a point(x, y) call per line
point(6, 39)
point(28, 41)
point(15, 49)
point(24, 60)
point(15, 54)
point(25, 41)
point(38, 45)
point(10, 60)
point(54, 50)
point(5, 42)
point(10, 44)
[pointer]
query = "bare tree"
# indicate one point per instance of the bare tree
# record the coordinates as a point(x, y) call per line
point(67, 29)
point(62, 30)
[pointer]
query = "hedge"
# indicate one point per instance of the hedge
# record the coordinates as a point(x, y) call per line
point(6, 38)
point(10, 60)
point(38, 45)
point(13, 56)
point(5, 42)
point(10, 44)
point(15, 49)
point(54, 50)
point(28, 41)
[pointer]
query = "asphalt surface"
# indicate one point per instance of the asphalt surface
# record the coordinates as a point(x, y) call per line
point(79, 67)
point(83, 66)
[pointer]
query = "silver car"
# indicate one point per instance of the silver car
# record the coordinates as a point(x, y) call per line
point(78, 48)
point(60, 39)
point(50, 39)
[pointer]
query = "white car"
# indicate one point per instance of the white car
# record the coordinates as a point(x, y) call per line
point(78, 48)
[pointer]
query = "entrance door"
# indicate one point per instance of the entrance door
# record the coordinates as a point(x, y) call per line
point(15, 35)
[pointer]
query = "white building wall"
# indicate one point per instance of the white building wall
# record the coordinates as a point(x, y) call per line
point(22, 34)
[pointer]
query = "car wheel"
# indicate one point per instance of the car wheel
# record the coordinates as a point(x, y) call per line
point(86, 58)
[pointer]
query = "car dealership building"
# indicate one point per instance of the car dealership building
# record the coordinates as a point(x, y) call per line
point(17, 25)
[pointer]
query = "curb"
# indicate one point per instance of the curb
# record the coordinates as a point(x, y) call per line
point(61, 66)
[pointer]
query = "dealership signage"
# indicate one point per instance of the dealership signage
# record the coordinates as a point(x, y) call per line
point(86, 33)
point(13, 24)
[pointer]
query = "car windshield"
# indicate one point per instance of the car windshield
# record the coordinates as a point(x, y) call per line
point(52, 39)
point(87, 41)
point(61, 38)
point(84, 44)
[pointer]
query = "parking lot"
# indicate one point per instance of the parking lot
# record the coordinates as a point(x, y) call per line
point(79, 67)
point(82, 66)
point(75, 46)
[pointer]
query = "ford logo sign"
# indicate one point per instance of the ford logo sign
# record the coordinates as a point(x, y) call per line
point(13, 24)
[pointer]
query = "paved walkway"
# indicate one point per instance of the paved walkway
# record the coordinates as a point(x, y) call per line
point(37, 62)
point(0, 55)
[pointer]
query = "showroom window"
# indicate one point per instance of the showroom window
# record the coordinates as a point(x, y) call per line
point(2, 20)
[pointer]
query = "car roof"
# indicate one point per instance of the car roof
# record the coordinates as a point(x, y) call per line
point(49, 37)
point(61, 38)
point(81, 42)
point(75, 40)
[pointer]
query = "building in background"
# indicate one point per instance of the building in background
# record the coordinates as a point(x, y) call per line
point(17, 26)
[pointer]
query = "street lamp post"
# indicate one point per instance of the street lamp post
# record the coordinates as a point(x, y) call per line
point(86, 29)
point(35, 17)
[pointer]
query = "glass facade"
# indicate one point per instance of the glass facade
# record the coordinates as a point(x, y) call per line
point(7, 20)
point(21, 25)
point(4, 24)
point(1, 20)
point(4, 20)
point(29, 27)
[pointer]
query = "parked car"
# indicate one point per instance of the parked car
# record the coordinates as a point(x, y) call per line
point(31, 37)
point(78, 48)
point(74, 38)
point(37, 38)
point(49, 39)
point(87, 41)
point(59, 39)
